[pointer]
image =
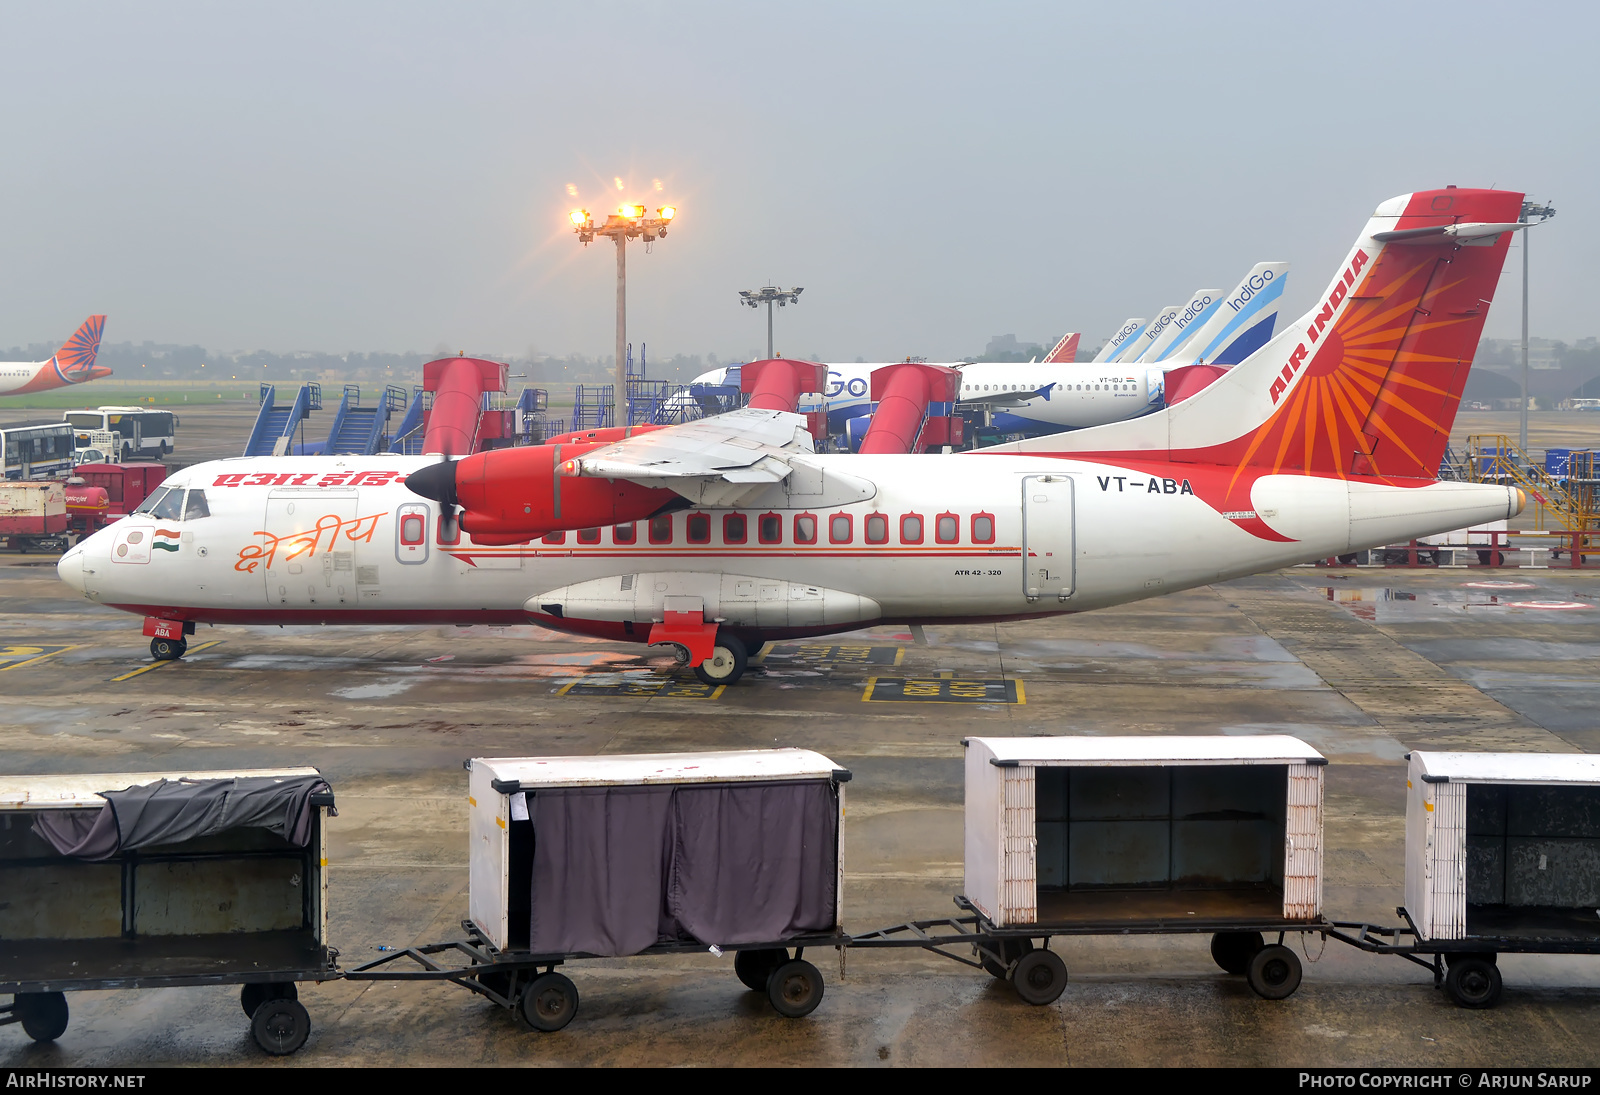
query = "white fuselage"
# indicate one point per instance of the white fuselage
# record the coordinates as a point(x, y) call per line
point(287, 540)
point(28, 376)
point(1032, 397)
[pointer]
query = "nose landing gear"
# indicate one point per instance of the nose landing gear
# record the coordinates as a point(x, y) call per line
point(168, 638)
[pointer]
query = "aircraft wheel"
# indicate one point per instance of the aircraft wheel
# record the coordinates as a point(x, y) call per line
point(1274, 972)
point(43, 1014)
point(727, 661)
point(168, 650)
point(1233, 950)
point(1473, 982)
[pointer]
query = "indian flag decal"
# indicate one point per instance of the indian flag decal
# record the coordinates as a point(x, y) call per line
point(165, 540)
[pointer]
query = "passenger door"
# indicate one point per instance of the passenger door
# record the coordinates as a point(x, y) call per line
point(310, 547)
point(1047, 537)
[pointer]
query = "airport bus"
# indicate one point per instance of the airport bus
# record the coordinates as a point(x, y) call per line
point(143, 433)
point(41, 450)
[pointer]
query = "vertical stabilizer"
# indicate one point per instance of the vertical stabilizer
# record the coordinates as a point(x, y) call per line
point(1064, 352)
point(74, 362)
point(1118, 342)
point(1366, 383)
point(1185, 320)
point(1241, 322)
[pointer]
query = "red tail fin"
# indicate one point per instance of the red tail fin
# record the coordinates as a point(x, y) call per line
point(1065, 351)
point(1368, 381)
point(75, 360)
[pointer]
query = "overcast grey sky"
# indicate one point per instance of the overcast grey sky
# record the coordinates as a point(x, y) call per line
point(348, 176)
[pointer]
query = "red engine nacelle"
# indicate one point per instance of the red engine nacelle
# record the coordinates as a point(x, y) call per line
point(512, 495)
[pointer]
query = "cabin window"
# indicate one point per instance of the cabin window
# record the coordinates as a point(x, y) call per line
point(947, 528)
point(839, 528)
point(733, 529)
point(661, 529)
point(983, 528)
point(553, 538)
point(698, 528)
point(413, 529)
point(589, 536)
point(911, 528)
point(195, 507)
point(449, 529)
point(769, 527)
point(876, 527)
point(624, 534)
point(805, 528)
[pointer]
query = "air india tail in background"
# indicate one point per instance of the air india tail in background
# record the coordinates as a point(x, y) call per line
point(72, 364)
point(1064, 352)
point(1367, 383)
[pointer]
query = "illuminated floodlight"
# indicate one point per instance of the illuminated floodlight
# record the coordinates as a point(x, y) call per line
point(667, 212)
point(579, 217)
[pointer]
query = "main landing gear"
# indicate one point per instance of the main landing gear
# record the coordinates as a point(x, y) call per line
point(727, 662)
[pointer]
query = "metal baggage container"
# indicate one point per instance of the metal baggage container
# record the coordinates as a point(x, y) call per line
point(1175, 833)
point(157, 879)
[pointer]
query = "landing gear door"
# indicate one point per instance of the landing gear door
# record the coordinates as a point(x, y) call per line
point(1048, 549)
point(308, 549)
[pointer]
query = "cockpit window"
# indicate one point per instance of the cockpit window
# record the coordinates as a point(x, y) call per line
point(195, 506)
point(169, 507)
point(154, 499)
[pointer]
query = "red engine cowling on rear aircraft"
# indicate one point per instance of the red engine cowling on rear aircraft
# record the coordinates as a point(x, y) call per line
point(511, 495)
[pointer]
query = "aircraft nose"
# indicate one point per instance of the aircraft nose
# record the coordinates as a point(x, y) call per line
point(70, 569)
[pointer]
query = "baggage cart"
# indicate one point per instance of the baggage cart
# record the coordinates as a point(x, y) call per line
point(608, 856)
point(1502, 857)
point(1134, 835)
point(158, 879)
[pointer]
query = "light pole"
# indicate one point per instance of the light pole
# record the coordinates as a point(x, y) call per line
point(1544, 213)
point(770, 295)
point(628, 222)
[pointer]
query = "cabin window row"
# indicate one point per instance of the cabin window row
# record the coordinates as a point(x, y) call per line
point(769, 528)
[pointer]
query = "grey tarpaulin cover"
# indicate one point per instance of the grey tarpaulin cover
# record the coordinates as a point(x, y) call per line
point(173, 811)
point(618, 869)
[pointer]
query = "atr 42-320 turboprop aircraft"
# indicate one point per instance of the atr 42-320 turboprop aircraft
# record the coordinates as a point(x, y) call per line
point(721, 534)
point(72, 364)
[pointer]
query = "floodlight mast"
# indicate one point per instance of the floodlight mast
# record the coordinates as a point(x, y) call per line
point(630, 221)
point(770, 295)
point(1544, 213)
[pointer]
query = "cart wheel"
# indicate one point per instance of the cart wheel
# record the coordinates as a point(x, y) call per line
point(1009, 952)
point(1040, 977)
point(43, 1014)
point(727, 661)
point(1233, 950)
point(550, 1001)
point(753, 968)
point(795, 988)
point(1473, 983)
point(280, 1026)
point(1274, 972)
point(256, 993)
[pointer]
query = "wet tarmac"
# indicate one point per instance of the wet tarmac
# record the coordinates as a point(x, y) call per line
point(1362, 664)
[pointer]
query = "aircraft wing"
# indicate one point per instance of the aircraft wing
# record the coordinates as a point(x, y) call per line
point(712, 461)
